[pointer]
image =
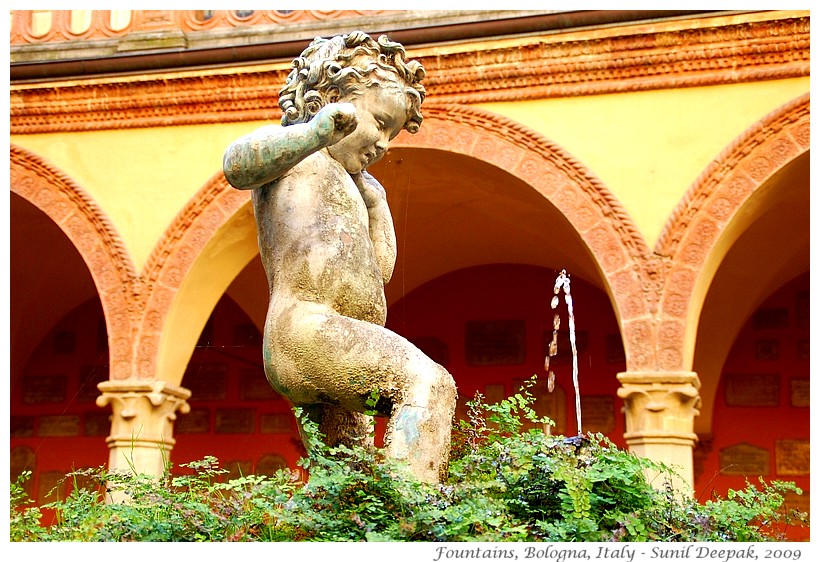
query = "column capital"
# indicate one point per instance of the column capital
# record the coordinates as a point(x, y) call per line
point(660, 408)
point(660, 405)
point(142, 422)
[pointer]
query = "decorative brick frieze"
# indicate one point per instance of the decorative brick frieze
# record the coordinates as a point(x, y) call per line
point(100, 23)
point(531, 68)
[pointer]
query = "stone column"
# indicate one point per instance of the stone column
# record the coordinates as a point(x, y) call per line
point(142, 423)
point(660, 412)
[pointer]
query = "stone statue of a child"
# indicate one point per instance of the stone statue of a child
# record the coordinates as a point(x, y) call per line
point(328, 245)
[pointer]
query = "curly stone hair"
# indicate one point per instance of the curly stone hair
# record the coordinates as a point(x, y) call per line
point(331, 68)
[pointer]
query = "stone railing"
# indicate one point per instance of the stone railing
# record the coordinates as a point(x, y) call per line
point(44, 26)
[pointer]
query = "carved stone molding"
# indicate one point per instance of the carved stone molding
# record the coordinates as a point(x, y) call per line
point(537, 67)
point(99, 24)
point(142, 423)
point(147, 101)
point(652, 290)
point(95, 239)
point(733, 176)
point(547, 167)
point(648, 59)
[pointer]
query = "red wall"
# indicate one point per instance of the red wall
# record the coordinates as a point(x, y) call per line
point(55, 424)
point(442, 308)
point(238, 419)
point(775, 343)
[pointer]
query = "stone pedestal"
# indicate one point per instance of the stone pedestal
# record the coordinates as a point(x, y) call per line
point(660, 411)
point(142, 423)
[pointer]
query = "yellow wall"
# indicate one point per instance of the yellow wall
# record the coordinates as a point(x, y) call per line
point(141, 178)
point(649, 147)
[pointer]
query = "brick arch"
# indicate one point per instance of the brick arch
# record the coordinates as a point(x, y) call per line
point(691, 235)
point(96, 240)
point(171, 263)
point(630, 271)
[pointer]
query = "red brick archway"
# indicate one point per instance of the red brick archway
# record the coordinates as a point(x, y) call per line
point(629, 270)
point(95, 239)
point(174, 256)
point(640, 283)
point(621, 254)
point(692, 232)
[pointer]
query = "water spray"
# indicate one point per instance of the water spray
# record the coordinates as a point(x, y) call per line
point(562, 282)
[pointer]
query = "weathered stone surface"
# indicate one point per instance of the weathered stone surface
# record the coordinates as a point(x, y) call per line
point(328, 246)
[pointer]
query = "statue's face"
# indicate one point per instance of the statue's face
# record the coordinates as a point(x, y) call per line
point(381, 112)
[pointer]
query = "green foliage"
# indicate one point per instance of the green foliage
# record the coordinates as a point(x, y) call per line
point(506, 484)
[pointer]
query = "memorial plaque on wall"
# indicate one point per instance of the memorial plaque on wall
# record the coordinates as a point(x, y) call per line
point(206, 381)
point(433, 348)
point(494, 393)
point(84, 480)
point(22, 459)
point(90, 377)
point(770, 319)
point(44, 390)
point(800, 502)
point(198, 420)
point(51, 486)
point(752, 389)
point(555, 408)
point(58, 426)
point(802, 309)
point(237, 469)
point(97, 423)
point(766, 350)
point(803, 349)
point(792, 457)
point(552, 405)
point(495, 342)
point(744, 460)
point(275, 423)
point(22, 426)
point(598, 413)
point(270, 463)
point(800, 393)
point(235, 420)
point(253, 385)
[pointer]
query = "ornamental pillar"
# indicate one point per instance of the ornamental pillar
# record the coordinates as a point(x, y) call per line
point(660, 410)
point(142, 423)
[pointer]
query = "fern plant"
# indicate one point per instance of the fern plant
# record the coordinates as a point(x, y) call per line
point(505, 484)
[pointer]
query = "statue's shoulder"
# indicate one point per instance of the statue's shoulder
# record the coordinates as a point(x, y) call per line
point(318, 164)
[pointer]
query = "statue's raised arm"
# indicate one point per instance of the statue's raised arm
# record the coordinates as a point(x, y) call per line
point(263, 155)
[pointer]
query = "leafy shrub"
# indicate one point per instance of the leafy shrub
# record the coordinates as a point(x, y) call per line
point(506, 484)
